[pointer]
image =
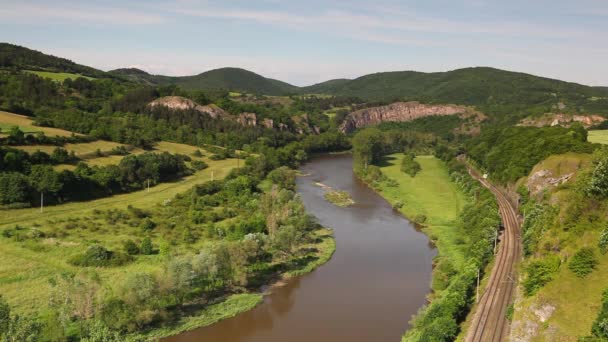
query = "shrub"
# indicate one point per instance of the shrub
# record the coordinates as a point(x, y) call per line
point(199, 165)
point(99, 256)
point(197, 153)
point(538, 273)
point(603, 241)
point(583, 262)
point(148, 224)
point(398, 205)
point(130, 247)
point(409, 165)
point(146, 246)
point(600, 326)
point(420, 219)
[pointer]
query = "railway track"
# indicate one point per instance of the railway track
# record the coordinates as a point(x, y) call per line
point(490, 321)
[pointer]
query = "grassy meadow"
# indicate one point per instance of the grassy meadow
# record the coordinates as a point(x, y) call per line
point(58, 76)
point(598, 137)
point(9, 120)
point(430, 193)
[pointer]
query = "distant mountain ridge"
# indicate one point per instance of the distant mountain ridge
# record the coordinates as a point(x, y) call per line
point(491, 90)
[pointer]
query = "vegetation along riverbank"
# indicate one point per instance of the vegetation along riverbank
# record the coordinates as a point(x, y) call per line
point(457, 214)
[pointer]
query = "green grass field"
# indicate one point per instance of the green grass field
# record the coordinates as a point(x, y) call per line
point(8, 120)
point(25, 268)
point(598, 137)
point(430, 193)
point(58, 76)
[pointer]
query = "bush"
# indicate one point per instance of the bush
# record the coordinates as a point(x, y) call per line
point(199, 165)
point(603, 241)
point(600, 326)
point(583, 262)
point(148, 225)
point(409, 165)
point(398, 205)
point(538, 273)
point(420, 219)
point(146, 246)
point(130, 247)
point(99, 256)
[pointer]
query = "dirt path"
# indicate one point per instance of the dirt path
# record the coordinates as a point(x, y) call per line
point(490, 321)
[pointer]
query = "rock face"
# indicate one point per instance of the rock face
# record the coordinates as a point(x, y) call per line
point(560, 119)
point(542, 180)
point(247, 119)
point(182, 103)
point(396, 112)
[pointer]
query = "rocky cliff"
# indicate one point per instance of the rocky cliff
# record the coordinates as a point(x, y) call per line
point(396, 112)
point(561, 119)
point(182, 103)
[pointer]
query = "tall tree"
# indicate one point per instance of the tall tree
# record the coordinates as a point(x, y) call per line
point(45, 180)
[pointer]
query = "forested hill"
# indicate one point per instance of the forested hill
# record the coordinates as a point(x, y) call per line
point(504, 95)
point(21, 58)
point(491, 90)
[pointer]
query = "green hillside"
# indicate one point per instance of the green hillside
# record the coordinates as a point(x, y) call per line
point(326, 87)
point(491, 90)
point(236, 79)
point(21, 58)
point(140, 76)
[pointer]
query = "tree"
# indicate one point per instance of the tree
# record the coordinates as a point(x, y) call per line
point(44, 179)
point(409, 165)
point(14, 188)
point(367, 147)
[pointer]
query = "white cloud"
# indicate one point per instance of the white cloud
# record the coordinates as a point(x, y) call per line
point(24, 12)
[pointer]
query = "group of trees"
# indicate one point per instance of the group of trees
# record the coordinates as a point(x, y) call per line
point(22, 181)
point(510, 153)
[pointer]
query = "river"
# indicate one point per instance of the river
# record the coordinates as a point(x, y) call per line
point(377, 279)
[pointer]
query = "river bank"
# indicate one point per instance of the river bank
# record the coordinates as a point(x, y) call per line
point(375, 282)
point(431, 199)
point(318, 253)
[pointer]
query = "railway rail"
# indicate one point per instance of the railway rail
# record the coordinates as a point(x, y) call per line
point(490, 321)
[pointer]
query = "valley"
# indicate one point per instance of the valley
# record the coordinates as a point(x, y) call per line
point(463, 205)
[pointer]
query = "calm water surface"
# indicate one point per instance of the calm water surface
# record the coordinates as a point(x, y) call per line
point(376, 280)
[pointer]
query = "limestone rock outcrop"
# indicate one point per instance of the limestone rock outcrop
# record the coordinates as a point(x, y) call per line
point(182, 103)
point(396, 112)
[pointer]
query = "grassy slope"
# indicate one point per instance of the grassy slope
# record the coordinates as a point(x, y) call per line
point(141, 198)
point(576, 301)
point(599, 137)
point(8, 120)
point(58, 76)
point(430, 193)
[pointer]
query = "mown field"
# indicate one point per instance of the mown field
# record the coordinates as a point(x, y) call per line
point(430, 193)
point(58, 76)
point(9, 120)
point(599, 137)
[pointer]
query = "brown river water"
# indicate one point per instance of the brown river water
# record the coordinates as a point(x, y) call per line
point(377, 279)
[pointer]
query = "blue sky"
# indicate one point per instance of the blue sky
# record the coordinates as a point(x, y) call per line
point(304, 42)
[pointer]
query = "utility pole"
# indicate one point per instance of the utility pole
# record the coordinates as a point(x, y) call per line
point(211, 175)
point(477, 290)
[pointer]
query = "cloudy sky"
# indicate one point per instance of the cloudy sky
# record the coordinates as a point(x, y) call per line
point(304, 42)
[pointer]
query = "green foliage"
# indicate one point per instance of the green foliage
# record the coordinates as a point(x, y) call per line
point(603, 241)
point(130, 247)
point(409, 165)
point(510, 153)
point(598, 181)
point(199, 165)
point(15, 328)
point(538, 273)
point(367, 148)
point(600, 325)
point(146, 247)
point(283, 177)
point(99, 256)
point(583, 262)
